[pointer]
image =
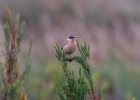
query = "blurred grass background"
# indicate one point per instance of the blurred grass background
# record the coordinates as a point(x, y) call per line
point(111, 27)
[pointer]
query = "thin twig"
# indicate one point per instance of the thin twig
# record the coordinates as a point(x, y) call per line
point(65, 70)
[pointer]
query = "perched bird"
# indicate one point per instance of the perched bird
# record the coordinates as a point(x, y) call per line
point(70, 45)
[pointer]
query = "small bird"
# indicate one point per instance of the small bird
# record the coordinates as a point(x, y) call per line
point(70, 45)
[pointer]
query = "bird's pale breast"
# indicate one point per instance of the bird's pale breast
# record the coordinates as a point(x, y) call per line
point(70, 47)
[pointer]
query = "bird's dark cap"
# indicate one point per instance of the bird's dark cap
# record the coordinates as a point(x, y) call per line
point(71, 36)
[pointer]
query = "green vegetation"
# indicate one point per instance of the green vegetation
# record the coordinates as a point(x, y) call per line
point(114, 55)
point(12, 82)
point(73, 89)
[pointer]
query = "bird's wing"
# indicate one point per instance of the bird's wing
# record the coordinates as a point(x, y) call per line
point(65, 43)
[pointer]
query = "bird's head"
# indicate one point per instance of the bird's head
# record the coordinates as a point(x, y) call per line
point(71, 36)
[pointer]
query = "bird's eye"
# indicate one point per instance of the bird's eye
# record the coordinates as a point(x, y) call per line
point(71, 37)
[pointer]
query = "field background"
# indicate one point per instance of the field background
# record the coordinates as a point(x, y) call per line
point(111, 27)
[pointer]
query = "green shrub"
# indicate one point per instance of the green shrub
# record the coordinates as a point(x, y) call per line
point(12, 82)
point(77, 89)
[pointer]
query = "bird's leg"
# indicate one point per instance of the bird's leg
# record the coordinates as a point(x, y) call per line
point(70, 59)
point(70, 56)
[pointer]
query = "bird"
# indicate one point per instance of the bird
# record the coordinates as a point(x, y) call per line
point(70, 45)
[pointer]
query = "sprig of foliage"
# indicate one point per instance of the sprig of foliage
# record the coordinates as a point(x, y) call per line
point(84, 60)
point(12, 82)
point(73, 89)
point(70, 84)
point(61, 57)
